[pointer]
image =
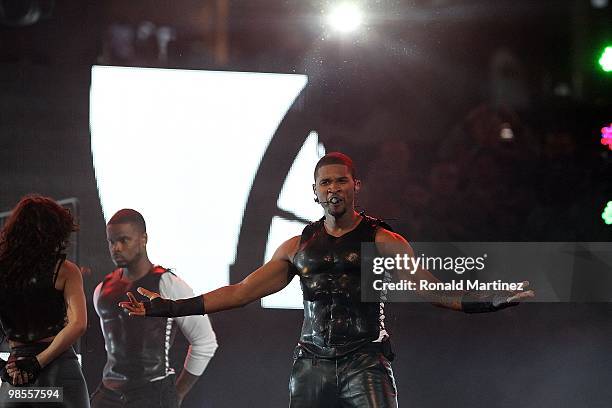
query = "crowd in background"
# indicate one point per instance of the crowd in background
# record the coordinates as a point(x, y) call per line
point(493, 177)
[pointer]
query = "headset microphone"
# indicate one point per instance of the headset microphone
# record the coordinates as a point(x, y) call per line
point(333, 200)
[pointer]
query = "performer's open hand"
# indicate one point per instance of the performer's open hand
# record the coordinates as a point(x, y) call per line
point(492, 301)
point(503, 299)
point(157, 306)
point(521, 295)
point(136, 308)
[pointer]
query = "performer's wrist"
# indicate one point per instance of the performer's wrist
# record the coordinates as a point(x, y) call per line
point(42, 361)
point(190, 306)
point(160, 307)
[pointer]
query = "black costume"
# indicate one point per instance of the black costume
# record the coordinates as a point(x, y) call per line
point(137, 371)
point(339, 359)
point(33, 313)
point(342, 358)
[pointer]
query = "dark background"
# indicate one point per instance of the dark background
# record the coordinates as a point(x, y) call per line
point(418, 98)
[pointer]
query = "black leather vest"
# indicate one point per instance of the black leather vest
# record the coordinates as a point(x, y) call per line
point(136, 348)
point(336, 322)
point(34, 312)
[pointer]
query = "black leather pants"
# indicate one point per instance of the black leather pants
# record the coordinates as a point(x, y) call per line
point(361, 379)
point(156, 394)
point(64, 372)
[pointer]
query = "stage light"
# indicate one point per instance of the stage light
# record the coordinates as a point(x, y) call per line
point(607, 213)
point(506, 133)
point(605, 61)
point(606, 136)
point(345, 17)
point(599, 4)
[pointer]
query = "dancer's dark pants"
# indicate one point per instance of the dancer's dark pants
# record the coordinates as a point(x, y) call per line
point(362, 379)
point(64, 372)
point(156, 394)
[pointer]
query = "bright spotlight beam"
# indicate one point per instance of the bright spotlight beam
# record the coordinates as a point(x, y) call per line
point(606, 59)
point(345, 17)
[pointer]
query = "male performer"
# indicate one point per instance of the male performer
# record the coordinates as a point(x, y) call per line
point(342, 355)
point(137, 371)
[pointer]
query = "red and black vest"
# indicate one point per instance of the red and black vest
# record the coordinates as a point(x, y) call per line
point(136, 348)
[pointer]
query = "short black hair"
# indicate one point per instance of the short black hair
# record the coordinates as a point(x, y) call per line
point(129, 216)
point(336, 158)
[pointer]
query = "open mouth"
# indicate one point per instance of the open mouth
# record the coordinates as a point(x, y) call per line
point(334, 200)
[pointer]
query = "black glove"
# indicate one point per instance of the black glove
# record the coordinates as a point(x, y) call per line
point(483, 303)
point(27, 365)
point(30, 366)
point(159, 307)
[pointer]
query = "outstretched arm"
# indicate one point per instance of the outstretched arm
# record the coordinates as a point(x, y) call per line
point(391, 244)
point(268, 279)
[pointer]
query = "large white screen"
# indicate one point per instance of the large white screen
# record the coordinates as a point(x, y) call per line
point(182, 147)
point(296, 197)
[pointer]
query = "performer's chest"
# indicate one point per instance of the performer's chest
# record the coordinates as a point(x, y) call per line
point(328, 255)
point(115, 289)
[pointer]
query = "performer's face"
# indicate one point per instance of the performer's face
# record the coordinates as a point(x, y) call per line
point(335, 180)
point(126, 243)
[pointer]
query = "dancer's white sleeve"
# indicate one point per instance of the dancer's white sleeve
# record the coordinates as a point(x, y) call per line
point(197, 329)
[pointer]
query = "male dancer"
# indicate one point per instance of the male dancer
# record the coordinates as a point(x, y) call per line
point(342, 355)
point(137, 371)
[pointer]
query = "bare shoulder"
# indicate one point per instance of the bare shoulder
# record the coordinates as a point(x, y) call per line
point(68, 271)
point(70, 268)
point(390, 243)
point(287, 249)
point(383, 235)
